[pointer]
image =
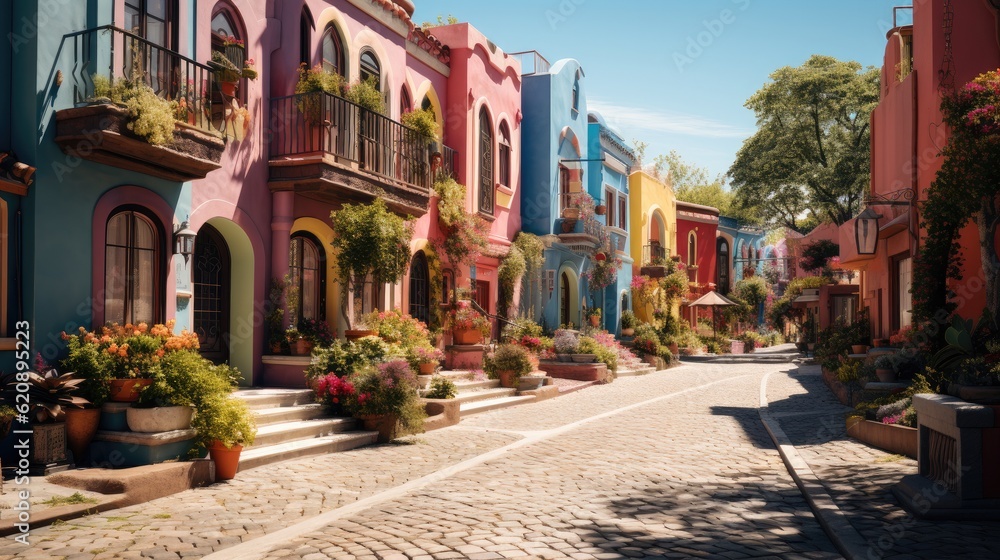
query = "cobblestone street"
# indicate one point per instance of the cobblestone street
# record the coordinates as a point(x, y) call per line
point(671, 465)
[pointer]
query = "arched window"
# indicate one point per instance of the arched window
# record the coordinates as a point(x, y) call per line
point(133, 264)
point(229, 39)
point(564, 299)
point(722, 269)
point(405, 104)
point(307, 272)
point(371, 69)
point(505, 155)
point(447, 286)
point(426, 104)
point(420, 296)
point(333, 51)
point(692, 249)
point(485, 162)
point(306, 26)
point(576, 96)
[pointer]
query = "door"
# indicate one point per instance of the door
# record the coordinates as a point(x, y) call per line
point(211, 282)
point(722, 267)
point(154, 21)
point(564, 299)
point(419, 288)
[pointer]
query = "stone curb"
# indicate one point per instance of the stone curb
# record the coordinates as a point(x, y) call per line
point(838, 529)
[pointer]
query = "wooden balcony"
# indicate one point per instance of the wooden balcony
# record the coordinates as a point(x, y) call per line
point(331, 150)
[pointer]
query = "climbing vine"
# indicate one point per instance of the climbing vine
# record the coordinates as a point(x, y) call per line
point(966, 187)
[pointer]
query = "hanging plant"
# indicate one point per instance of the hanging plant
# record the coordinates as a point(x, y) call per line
point(366, 95)
point(423, 121)
point(466, 236)
point(966, 187)
point(370, 244)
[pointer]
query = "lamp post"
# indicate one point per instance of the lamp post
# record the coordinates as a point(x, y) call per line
point(866, 231)
point(184, 238)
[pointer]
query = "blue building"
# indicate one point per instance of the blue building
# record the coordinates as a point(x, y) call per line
point(611, 163)
point(738, 246)
point(555, 135)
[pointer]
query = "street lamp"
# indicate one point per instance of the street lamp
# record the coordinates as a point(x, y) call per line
point(866, 231)
point(184, 238)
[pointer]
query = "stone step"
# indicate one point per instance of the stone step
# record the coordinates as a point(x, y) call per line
point(268, 416)
point(274, 398)
point(273, 434)
point(259, 456)
point(456, 375)
point(475, 407)
point(469, 385)
point(636, 372)
point(484, 394)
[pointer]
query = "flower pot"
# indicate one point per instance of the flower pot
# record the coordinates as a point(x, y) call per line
point(384, 424)
point(358, 333)
point(628, 332)
point(584, 358)
point(81, 426)
point(565, 357)
point(49, 443)
point(276, 348)
point(859, 348)
point(428, 368)
point(674, 349)
point(227, 460)
point(600, 257)
point(595, 320)
point(885, 375)
point(159, 418)
point(600, 209)
point(127, 390)
point(302, 347)
point(508, 379)
point(530, 382)
point(228, 88)
point(571, 213)
point(568, 225)
point(466, 337)
point(811, 346)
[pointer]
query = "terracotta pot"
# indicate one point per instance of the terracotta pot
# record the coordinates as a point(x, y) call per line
point(428, 368)
point(571, 213)
point(127, 390)
point(859, 348)
point(584, 358)
point(628, 332)
point(303, 347)
point(594, 320)
point(466, 337)
point(81, 426)
point(358, 333)
point(674, 349)
point(385, 424)
point(276, 348)
point(228, 88)
point(885, 375)
point(600, 209)
point(508, 379)
point(227, 460)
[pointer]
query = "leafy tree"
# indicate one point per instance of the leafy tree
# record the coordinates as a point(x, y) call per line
point(441, 20)
point(817, 255)
point(812, 147)
point(692, 183)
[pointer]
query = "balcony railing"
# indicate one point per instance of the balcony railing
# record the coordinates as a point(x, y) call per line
point(655, 254)
point(321, 122)
point(532, 62)
point(108, 53)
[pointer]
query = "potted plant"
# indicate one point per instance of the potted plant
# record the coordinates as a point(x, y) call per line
point(371, 245)
point(508, 363)
point(224, 425)
point(565, 344)
point(629, 321)
point(428, 359)
point(468, 326)
point(297, 343)
point(49, 395)
point(333, 392)
point(885, 368)
point(423, 122)
point(593, 314)
point(441, 388)
point(313, 333)
point(313, 84)
point(366, 94)
point(181, 386)
point(7, 415)
point(386, 400)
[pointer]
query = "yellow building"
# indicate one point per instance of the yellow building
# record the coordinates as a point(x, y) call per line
point(653, 224)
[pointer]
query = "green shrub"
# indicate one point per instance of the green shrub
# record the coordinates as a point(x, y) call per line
point(226, 419)
point(423, 121)
point(388, 388)
point(441, 388)
point(366, 95)
point(345, 358)
point(508, 357)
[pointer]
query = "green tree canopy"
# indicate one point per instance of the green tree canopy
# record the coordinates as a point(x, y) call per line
point(812, 147)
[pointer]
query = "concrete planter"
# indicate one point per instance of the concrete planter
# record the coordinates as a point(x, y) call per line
point(530, 382)
point(584, 358)
point(159, 419)
point(901, 440)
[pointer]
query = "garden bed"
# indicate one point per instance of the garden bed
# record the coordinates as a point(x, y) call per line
point(901, 440)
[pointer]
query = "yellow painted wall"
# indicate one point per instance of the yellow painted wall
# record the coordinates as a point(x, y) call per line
point(647, 196)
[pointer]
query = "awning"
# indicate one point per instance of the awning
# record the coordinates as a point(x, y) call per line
point(808, 297)
point(898, 224)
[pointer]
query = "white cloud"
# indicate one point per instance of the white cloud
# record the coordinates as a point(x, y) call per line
point(637, 118)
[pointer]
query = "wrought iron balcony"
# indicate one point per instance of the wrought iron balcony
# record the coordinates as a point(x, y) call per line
point(343, 137)
point(97, 128)
point(655, 254)
point(532, 62)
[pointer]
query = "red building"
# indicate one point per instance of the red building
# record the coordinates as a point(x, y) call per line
point(922, 61)
point(697, 226)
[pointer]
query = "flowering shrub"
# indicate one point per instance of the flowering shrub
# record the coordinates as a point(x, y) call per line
point(508, 357)
point(519, 328)
point(334, 392)
point(344, 358)
point(316, 331)
point(565, 342)
point(396, 327)
point(427, 355)
point(899, 413)
point(464, 317)
point(902, 336)
point(626, 359)
point(387, 388)
point(532, 343)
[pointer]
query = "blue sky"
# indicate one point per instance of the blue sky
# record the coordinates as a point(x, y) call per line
point(676, 73)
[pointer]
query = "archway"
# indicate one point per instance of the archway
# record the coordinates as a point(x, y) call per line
point(211, 278)
point(241, 329)
point(569, 296)
point(420, 294)
point(722, 266)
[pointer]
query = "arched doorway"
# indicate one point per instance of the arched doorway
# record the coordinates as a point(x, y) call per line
point(420, 295)
point(211, 281)
point(564, 299)
point(722, 270)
